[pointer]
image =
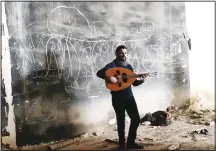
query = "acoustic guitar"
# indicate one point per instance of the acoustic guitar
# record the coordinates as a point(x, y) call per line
point(125, 78)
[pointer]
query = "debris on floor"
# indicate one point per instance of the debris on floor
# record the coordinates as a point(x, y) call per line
point(112, 121)
point(204, 131)
point(148, 139)
point(212, 123)
point(193, 136)
point(174, 146)
point(5, 147)
point(146, 123)
point(95, 134)
point(177, 136)
point(158, 118)
point(4, 132)
point(177, 128)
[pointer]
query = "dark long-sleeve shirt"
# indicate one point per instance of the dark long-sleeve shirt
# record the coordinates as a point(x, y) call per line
point(122, 94)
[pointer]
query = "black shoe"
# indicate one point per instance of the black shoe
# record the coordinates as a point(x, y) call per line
point(121, 143)
point(134, 146)
point(122, 147)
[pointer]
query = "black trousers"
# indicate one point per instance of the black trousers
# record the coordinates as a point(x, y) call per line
point(129, 105)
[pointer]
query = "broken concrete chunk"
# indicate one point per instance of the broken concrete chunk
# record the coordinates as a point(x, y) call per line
point(212, 123)
point(5, 133)
point(180, 111)
point(85, 135)
point(174, 146)
point(206, 111)
point(95, 134)
point(6, 147)
point(168, 109)
point(112, 121)
point(193, 137)
point(204, 131)
point(177, 118)
point(195, 132)
point(146, 123)
point(193, 116)
point(202, 122)
point(191, 122)
point(149, 139)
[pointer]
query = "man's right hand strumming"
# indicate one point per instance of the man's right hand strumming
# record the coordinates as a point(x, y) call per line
point(111, 79)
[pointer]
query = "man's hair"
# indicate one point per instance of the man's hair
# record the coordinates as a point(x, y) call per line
point(119, 48)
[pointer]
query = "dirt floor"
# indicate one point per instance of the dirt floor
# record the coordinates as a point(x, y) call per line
point(189, 130)
point(183, 134)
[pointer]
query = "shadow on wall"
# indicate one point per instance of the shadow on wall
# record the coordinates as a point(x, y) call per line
point(51, 123)
point(52, 133)
point(50, 114)
point(48, 128)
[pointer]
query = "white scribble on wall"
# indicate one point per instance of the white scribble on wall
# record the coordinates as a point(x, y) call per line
point(77, 47)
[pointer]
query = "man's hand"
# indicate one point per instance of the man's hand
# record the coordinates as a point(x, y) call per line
point(143, 77)
point(111, 79)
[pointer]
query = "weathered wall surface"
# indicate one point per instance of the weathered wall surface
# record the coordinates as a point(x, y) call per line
point(57, 47)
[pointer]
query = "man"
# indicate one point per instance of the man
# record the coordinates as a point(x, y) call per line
point(124, 100)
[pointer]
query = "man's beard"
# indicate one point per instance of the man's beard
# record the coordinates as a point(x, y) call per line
point(121, 62)
point(122, 59)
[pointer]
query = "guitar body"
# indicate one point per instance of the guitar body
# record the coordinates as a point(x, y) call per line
point(124, 76)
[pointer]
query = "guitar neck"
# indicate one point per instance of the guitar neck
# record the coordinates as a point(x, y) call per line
point(141, 74)
point(137, 75)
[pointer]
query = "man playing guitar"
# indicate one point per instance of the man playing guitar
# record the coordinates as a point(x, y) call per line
point(124, 99)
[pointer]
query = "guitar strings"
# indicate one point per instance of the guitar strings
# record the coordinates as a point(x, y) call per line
point(150, 74)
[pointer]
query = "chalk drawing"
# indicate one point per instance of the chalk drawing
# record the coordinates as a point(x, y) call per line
point(77, 47)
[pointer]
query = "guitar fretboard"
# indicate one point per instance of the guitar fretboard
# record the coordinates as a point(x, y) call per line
point(150, 74)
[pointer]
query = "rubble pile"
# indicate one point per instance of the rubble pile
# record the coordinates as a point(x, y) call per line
point(5, 147)
point(193, 112)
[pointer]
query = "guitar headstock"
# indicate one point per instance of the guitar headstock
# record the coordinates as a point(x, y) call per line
point(152, 74)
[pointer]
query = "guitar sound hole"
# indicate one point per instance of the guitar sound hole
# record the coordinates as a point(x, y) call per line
point(118, 72)
point(124, 78)
point(120, 84)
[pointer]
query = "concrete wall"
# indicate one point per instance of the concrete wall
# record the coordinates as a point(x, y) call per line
point(56, 49)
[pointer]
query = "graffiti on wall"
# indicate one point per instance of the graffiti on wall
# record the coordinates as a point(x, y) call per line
point(74, 47)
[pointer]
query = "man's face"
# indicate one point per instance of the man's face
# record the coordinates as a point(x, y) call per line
point(122, 55)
